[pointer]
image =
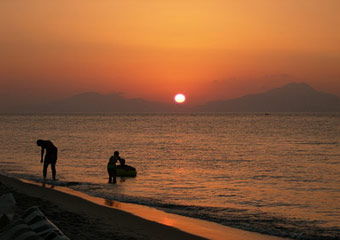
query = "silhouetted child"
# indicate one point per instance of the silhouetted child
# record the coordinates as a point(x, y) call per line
point(50, 156)
point(111, 167)
point(122, 162)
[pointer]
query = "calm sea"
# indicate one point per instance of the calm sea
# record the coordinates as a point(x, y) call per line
point(277, 174)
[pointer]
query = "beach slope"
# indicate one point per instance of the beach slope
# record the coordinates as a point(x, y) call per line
point(82, 219)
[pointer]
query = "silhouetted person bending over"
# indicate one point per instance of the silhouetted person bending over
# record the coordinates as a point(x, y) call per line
point(50, 156)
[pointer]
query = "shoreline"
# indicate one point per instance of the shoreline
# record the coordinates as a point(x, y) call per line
point(123, 220)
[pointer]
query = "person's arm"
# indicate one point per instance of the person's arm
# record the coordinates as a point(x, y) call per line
point(42, 154)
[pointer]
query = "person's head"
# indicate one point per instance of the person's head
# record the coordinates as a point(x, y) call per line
point(116, 153)
point(39, 142)
point(122, 161)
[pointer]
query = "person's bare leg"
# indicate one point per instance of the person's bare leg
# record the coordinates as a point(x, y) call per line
point(54, 172)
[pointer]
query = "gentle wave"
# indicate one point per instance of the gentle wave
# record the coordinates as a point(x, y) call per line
point(318, 143)
point(275, 175)
point(239, 218)
point(245, 219)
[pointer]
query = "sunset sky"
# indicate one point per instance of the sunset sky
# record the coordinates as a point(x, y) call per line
point(208, 50)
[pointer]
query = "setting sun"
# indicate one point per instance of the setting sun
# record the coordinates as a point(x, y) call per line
point(179, 98)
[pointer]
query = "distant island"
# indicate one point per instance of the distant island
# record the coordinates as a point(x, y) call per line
point(92, 102)
point(293, 97)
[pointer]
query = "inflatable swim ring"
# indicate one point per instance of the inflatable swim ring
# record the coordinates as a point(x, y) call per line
point(126, 171)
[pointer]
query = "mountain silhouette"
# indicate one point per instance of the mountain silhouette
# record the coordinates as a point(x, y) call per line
point(92, 102)
point(293, 97)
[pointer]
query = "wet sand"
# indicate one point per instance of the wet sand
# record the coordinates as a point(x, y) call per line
point(82, 217)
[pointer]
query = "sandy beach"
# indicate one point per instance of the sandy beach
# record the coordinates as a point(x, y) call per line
point(81, 218)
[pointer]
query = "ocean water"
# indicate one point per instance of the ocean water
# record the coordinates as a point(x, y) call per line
point(277, 174)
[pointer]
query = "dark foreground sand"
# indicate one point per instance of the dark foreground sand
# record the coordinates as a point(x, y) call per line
point(75, 226)
point(81, 219)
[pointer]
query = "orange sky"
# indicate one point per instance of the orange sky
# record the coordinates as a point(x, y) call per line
point(217, 49)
